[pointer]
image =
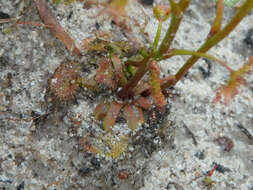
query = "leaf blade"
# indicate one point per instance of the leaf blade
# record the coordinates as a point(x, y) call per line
point(131, 117)
point(111, 115)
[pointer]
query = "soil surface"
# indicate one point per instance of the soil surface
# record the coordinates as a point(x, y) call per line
point(43, 142)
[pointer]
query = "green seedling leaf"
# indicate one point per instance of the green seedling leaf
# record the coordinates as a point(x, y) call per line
point(101, 111)
point(8, 30)
point(99, 46)
point(131, 70)
point(111, 115)
point(230, 90)
point(135, 60)
point(155, 83)
point(105, 73)
point(131, 117)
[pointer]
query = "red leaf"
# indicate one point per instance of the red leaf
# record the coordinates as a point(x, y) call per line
point(236, 79)
point(105, 73)
point(155, 83)
point(119, 74)
point(131, 117)
point(101, 111)
point(143, 102)
point(111, 115)
point(49, 19)
point(141, 117)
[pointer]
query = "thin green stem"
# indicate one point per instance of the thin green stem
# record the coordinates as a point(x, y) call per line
point(218, 19)
point(241, 13)
point(176, 18)
point(200, 54)
point(157, 37)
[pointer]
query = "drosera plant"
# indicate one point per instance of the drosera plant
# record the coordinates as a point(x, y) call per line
point(135, 81)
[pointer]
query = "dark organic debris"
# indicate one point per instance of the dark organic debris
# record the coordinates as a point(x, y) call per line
point(21, 186)
point(225, 143)
point(4, 15)
point(174, 184)
point(95, 162)
point(248, 40)
point(84, 171)
point(147, 2)
point(188, 131)
point(221, 169)
point(200, 155)
point(206, 70)
point(246, 132)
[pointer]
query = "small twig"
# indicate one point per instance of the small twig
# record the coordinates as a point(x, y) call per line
point(188, 131)
point(33, 23)
point(246, 132)
point(7, 20)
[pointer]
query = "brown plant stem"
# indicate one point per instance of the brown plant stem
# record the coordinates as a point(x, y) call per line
point(127, 90)
point(177, 14)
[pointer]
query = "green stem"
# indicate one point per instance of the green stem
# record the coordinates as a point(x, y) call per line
point(199, 54)
point(157, 37)
point(177, 15)
point(218, 19)
point(241, 13)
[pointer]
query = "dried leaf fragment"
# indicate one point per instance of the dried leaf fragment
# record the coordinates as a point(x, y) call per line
point(49, 19)
point(230, 90)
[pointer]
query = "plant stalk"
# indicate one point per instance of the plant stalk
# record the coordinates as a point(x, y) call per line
point(157, 37)
point(241, 13)
point(127, 91)
point(176, 18)
point(199, 54)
